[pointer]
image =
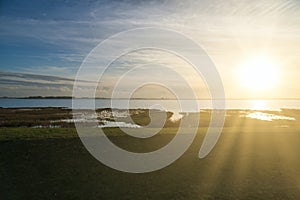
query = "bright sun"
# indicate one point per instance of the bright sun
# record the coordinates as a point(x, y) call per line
point(258, 73)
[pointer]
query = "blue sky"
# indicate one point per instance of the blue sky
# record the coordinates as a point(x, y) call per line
point(51, 38)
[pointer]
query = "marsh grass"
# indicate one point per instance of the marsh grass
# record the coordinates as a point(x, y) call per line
point(253, 159)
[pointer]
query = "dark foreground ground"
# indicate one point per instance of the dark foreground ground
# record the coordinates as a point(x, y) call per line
point(250, 161)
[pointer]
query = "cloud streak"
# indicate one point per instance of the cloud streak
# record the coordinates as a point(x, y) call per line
point(37, 83)
point(54, 37)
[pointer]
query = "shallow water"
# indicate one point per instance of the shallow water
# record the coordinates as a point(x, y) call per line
point(267, 116)
point(117, 124)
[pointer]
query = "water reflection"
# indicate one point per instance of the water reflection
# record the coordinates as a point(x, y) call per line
point(267, 116)
point(259, 105)
point(117, 124)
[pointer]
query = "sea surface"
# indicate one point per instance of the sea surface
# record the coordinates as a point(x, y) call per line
point(169, 105)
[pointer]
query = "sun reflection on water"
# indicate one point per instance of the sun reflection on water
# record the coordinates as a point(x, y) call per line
point(259, 105)
point(267, 116)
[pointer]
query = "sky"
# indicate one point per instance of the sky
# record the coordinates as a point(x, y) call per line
point(43, 43)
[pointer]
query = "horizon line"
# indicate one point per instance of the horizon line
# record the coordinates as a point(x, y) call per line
point(141, 98)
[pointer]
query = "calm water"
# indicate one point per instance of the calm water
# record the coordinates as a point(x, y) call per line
point(171, 105)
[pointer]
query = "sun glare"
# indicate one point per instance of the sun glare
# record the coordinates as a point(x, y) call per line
point(258, 73)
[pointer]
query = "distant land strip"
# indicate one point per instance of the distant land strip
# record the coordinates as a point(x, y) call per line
point(70, 97)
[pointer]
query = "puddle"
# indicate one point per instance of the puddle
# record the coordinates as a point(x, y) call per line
point(117, 124)
point(267, 116)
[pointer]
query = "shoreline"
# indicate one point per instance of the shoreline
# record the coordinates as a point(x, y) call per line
point(61, 117)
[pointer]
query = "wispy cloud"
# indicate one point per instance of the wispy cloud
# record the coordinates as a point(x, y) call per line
point(53, 38)
point(22, 84)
